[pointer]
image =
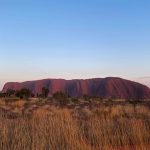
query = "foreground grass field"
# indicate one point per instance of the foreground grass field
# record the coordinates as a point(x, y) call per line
point(41, 125)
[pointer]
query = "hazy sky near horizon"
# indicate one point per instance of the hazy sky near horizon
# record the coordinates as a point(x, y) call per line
point(74, 39)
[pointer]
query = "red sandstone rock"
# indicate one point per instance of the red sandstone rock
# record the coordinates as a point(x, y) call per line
point(104, 87)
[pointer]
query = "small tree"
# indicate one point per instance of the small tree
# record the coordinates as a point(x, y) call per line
point(45, 92)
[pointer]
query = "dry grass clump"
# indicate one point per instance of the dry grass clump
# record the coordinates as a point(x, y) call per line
point(57, 130)
point(18, 104)
point(115, 127)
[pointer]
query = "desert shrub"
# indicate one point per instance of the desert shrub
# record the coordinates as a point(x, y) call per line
point(2, 95)
point(24, 94)
point(10, 92)
point(61, 97)
point(86, 97)
point(75, 100)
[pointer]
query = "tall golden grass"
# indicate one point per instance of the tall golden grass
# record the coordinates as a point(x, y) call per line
point(102, 128)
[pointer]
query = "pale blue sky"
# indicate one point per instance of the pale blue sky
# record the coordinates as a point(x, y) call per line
point(74, 39)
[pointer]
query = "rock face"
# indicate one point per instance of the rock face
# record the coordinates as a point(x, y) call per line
point(104, 87)
point(143, 80)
